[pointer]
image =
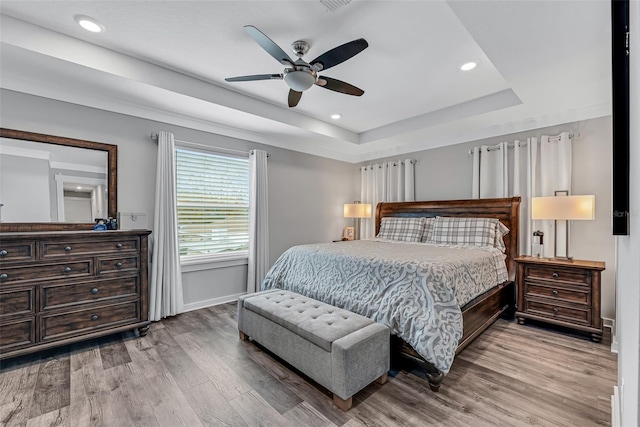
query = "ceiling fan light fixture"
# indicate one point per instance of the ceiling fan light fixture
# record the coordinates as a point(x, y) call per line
point(336, 116)
point(468, 66)
point(89, 23)
point(299, 80)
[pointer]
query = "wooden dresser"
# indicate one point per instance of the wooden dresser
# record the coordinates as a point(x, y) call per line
point(62, 287)
point(564, 293)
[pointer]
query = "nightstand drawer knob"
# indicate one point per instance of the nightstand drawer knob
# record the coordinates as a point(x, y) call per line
point(94, 317)
point(118, 264)
point(94, 291)
point(554, 292)
point(67, 248)
point(555, 275)
point(118, 245)
point(3, 276)
point(67, 270)
point(555, 311)
point(3, 253)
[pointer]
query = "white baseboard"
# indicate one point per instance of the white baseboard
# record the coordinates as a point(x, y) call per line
point(611, 324)
point(615, 408)
point(211, 302)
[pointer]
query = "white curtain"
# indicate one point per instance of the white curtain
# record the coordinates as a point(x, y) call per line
point(492, 166)
point(531, 169)
point(258, 221)
point(165, 293)
point(555, 175)
point(385, 182)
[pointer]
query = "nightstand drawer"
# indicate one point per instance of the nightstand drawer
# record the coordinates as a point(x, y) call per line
point(573, 314)
point(67, 324)
point(571, 275)
point(17, 301)
point(23, 251)
point(577, 294)
point(34, 272)
point(17, 334)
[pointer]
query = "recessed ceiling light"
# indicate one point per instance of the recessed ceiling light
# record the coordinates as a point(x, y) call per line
point(468, 66)
point(89, 23)
point(335, 116)
point(79, 188)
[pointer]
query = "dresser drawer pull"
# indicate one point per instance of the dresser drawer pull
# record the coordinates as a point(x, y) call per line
point(94, 317)
point(118, 245)
point(555, 275)
point(67, 248)
point(67, 270)
point(94, 291)
point(555, 311)
point(4, 276)
point(3, 253)
point(118, 264)
point(555, 292)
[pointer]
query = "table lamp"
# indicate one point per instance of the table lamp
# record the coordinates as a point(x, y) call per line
point(357, 211)
point(563, 208)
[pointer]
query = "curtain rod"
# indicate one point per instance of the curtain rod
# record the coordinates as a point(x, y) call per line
point(154, 136)
point(521, 143)
point(380, 165)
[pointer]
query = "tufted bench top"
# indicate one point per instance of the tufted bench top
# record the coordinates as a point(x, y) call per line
point(315, 321)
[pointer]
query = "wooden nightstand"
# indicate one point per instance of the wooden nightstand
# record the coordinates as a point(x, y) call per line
point(564, 293)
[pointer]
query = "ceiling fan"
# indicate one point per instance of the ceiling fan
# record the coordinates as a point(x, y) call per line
point(300, 75)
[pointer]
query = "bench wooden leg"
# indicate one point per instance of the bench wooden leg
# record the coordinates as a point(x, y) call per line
point(243, 336)
point(382, 379)
point(342, 404)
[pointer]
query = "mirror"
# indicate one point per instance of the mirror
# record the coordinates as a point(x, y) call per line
point(50, 183)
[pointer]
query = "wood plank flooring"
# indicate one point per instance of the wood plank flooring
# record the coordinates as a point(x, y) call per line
point(192, 370)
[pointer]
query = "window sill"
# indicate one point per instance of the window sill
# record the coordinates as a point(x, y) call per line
point(213, 262)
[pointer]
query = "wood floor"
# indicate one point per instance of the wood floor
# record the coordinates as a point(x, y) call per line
point(192, 370)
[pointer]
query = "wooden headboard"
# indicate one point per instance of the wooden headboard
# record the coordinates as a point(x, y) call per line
point(506, 210)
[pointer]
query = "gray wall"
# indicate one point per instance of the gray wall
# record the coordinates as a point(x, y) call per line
point(445, 173)
point(306, 192)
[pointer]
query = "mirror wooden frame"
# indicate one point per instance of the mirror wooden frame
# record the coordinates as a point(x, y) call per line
point(112, 180)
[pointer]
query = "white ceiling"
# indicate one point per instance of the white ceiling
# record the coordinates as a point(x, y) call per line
point(540, 63)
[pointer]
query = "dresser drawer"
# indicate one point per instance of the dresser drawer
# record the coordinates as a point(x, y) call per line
point(117, 265)
point(58, 326)
point(571, 275)
point(572, 314)
point(17, 334)
point(23, 251)
point(58, 248)
point(64, 295)
point(46, 271)
point(17, 301)
point(576, 294)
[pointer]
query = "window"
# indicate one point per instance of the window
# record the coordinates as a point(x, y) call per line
point(213, 203)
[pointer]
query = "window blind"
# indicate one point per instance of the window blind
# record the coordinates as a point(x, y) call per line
point(212, 203)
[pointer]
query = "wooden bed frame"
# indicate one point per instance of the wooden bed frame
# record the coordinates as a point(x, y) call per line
point(482, 311)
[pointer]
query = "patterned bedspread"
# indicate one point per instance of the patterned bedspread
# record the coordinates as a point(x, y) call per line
point(416, 289)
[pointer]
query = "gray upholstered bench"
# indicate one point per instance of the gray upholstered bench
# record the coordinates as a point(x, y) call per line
point(340, 350)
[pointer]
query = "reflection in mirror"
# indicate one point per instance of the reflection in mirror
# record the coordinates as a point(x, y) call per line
point(42, 182)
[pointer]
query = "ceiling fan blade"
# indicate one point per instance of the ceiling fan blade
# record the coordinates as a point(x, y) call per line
point(255, 77)
point(339, 54)
point(267, 44)
point(294, 97)
point(338, 86)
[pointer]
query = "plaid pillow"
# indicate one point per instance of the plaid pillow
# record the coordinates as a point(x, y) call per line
point(501, 230)
point(428, 229)
point(465, 231)
point(402, 229)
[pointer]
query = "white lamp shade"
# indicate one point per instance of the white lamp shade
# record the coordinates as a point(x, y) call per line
point(563, 207)
point(357, 210)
